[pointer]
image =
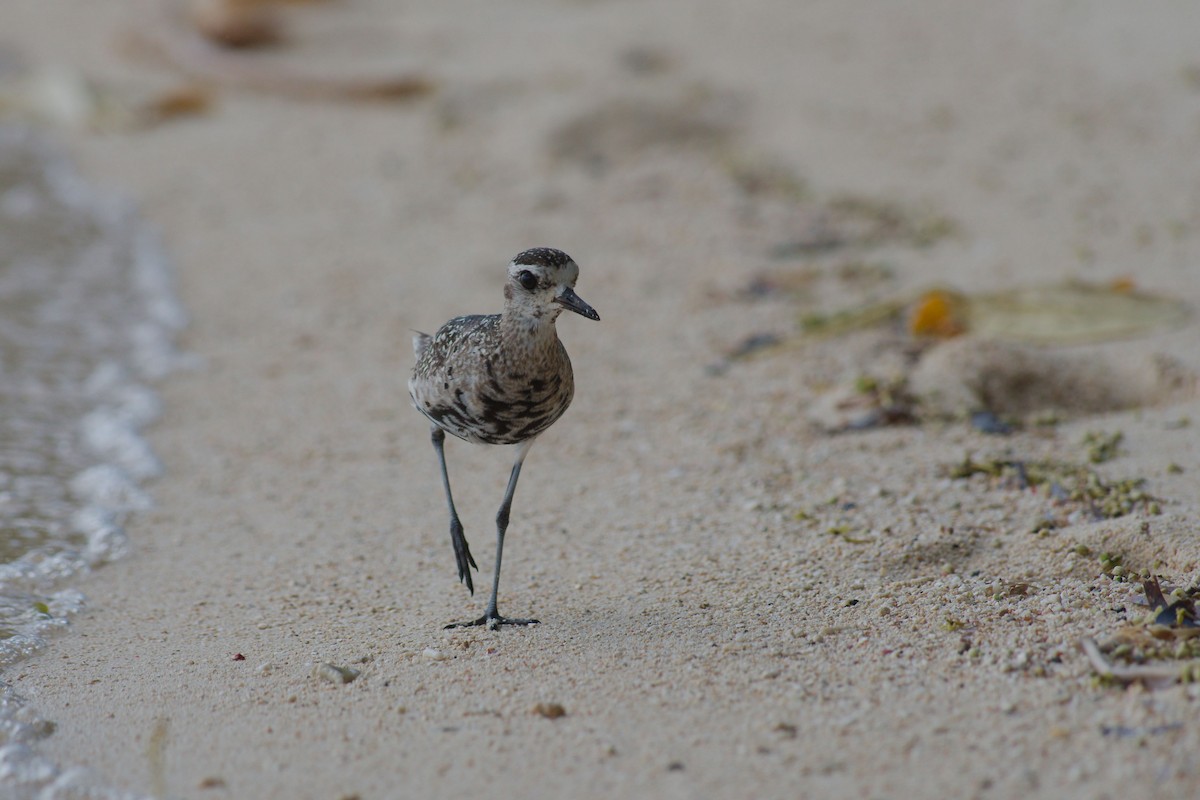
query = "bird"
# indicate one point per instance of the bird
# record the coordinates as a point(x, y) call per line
point(499, 379)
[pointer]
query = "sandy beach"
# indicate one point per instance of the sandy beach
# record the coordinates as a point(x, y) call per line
point(734, 600)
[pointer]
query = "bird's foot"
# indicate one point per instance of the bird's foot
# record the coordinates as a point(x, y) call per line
point(462, 554)
point(492, 621)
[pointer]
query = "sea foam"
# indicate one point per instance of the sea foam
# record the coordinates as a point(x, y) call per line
point(88, 318)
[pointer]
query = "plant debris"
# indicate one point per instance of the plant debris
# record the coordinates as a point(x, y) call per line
point(1065, 483)
point(1102, 447)
point(838, 323)
point(216, 59)
point(870, 403)
point(1110, 565)
point(844, 532)
point(1169, 632)
point(1074, 312)
point(753, 344)
point(1153, 675)
point(1179, 612)
point(749, 347)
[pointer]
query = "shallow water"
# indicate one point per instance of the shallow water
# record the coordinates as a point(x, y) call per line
point(87, 321)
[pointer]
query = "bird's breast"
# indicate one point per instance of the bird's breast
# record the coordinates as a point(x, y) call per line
point(500, 398)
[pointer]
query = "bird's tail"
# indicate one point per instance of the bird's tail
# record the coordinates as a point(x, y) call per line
point(420, 343)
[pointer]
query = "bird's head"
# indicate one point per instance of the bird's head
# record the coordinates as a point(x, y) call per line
point(541, 283)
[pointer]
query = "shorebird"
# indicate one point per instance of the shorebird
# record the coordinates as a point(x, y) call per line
point(499, 379)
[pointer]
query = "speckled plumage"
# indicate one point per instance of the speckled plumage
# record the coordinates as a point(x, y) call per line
point(491, 380)
point(500, 379)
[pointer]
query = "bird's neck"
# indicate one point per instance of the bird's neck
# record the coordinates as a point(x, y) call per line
point(534, 328)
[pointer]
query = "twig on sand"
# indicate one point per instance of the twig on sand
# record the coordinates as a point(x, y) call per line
point(1153, 675)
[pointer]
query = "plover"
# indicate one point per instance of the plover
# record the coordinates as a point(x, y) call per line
point(500, 379)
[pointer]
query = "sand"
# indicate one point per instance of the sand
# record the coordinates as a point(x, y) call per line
point(734, 602)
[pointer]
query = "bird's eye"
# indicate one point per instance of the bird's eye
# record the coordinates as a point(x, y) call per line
point(527, 280)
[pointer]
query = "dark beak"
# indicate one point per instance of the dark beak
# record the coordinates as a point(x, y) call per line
point(573, 302)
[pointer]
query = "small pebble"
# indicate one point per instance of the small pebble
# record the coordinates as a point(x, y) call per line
point(334, 674)
point(549, 710)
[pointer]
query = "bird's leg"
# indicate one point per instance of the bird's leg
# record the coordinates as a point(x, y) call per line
point(491, 618)
point(462, 553)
